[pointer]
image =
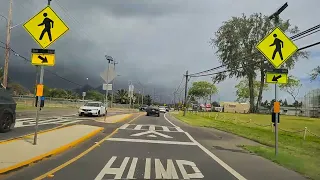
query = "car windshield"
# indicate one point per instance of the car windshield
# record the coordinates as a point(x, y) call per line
point(92, 104)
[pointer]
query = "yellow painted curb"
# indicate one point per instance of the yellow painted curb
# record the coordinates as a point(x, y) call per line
point(124, 118)
point(31, 134)
point(53, 152)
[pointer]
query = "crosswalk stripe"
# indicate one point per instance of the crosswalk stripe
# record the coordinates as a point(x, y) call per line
point(165, 128)
point(124, 126)
point(138, 127)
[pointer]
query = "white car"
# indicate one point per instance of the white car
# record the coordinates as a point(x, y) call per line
point(93, 108)
point(162, 109)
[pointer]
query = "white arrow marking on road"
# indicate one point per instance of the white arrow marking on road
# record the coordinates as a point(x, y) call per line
point(151, 132)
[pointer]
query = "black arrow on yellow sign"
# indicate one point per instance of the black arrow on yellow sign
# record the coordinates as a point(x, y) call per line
point(275, 78)
point(44, 59)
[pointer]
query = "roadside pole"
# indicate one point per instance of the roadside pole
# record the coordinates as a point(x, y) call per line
point(35, 138)
point(44, 56)
point(185, 94)
point(277, 54)
point(114, 68)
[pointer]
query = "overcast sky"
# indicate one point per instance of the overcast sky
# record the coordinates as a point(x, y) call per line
point(154, 41)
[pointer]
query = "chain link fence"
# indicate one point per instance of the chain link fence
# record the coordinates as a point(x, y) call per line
point(223, 117)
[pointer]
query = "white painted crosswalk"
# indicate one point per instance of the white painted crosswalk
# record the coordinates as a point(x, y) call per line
point(68, 119)
point(150, 127)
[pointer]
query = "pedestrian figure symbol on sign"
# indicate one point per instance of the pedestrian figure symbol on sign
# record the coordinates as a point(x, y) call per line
point(48, 24)
point(279, 45)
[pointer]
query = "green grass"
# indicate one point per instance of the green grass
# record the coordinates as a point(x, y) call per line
point(295, 153)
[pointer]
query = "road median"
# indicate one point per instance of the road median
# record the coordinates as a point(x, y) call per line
point(21, 152)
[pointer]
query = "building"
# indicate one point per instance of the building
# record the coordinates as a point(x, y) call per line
point(235, 107)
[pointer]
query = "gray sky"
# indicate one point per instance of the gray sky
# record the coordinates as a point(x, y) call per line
point(154, 41)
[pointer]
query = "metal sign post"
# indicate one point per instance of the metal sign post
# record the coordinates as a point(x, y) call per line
point(38, 108)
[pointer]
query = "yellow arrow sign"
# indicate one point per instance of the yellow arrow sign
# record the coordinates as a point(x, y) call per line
point(279, 78)
point(43, 57)
point(46, 27)
point(277, 47)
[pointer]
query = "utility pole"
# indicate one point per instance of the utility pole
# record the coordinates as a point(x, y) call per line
point(109, 59)
point(276, 21)
point(7, 50)
point(185, 94)
point(154, 95)
point(114, 70)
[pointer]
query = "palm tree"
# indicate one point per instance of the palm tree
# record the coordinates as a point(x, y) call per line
point(122, 96)
point(148, 100)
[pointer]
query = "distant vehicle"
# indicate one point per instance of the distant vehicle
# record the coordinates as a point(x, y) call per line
point(93, 108)
point(143, 108)
point(152, 110)
point(162, 109)
point(7, 111)
point(167, 109)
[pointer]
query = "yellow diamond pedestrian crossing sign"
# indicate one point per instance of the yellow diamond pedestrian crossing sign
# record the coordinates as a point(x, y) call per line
point(277, 47)
point(46, 27)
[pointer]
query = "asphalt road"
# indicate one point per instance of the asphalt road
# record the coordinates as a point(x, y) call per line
point(150, 148)
point(48, 119)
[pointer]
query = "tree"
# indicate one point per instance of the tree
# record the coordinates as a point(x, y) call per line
point(243, 91)
point(235, 42)
point(122, 96)
point(315, 73)
point(285, 103)
point(147, 100)
point(95, 95)
point(292, 87)
point(215, 104)
point(202, 89)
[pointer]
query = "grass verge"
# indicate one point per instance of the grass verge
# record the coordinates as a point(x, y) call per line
point(300, 155)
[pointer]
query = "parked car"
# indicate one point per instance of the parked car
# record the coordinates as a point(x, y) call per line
point(167, 109)
point(7, 111)
point(152, 110)
point(93, 108)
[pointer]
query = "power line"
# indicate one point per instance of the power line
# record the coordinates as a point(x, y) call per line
point(179, 85)
point(220, 72)
point(294, 38)
point(53, 73)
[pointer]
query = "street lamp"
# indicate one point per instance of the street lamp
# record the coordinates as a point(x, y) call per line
point(109, 59)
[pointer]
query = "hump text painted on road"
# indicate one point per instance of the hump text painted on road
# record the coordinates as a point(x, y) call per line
point(153, 169)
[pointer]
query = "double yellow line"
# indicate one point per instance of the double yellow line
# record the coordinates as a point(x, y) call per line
point(51, 172)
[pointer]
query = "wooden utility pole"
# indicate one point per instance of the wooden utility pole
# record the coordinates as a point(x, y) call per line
point(7, 50)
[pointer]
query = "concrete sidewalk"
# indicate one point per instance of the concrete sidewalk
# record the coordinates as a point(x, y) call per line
point(22, 152)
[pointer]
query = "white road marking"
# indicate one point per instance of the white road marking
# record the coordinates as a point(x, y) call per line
point(160, 172)
point(124, 126)
point(151, 141)
point(151, 132)
point(168, 120)
point(165, 128)
point(138, 127)
point(116, 171)
point(147, 169)
point(23, 119)
point(152, 128)
point(132, 168)
point(209, 153)
point(197, 173)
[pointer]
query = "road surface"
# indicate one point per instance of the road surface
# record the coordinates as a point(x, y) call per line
point(49, 118)
point(149, 148)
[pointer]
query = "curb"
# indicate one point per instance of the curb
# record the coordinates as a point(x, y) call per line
point(53, 152)
point(125, 117)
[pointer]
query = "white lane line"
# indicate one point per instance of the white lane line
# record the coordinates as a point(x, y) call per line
point(151, 141)
point(165, 128)
point(124, 126)
point(175, 131)
point(132, 168)
point(179, 129)
point(24, 119)
point(138, 127)
point(214, 157)
point(168, 120)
